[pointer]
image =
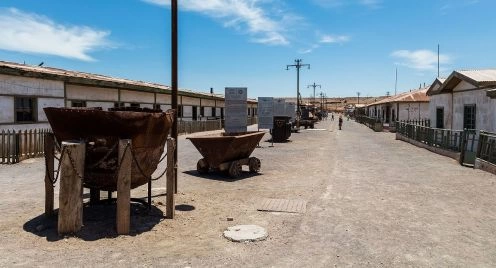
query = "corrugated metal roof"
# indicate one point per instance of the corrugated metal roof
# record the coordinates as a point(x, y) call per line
point(480, 76)
point(418, 95)
point(93, 79)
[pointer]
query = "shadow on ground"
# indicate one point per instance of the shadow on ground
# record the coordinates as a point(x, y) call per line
point(221, 176)
point(99, 222)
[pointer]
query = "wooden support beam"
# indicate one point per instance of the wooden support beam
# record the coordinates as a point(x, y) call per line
point(49, 174)
point(124, 188)
point(171, 187)
point(71, 187)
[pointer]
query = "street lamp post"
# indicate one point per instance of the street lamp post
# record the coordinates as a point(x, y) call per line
point(298, 65)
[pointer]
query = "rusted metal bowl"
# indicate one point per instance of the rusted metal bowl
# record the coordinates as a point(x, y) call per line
point(221, 148)
point(101, 130)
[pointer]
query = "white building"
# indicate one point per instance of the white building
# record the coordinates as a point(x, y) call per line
point(464, 100)
point(412, 105)
point(25, 90)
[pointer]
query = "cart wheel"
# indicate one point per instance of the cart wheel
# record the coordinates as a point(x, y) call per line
point(202, 166)
point(235, 169)
point(254, 164)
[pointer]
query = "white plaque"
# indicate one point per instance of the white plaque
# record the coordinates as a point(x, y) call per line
point(291, 110)
point(265, 112)
point(279, 107)
point(236, 109)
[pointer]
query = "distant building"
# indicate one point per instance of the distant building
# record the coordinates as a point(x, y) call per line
point(464, 100)
point(412, 105)
point(25, 90)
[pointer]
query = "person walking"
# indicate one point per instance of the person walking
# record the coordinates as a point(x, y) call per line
point(340, 122)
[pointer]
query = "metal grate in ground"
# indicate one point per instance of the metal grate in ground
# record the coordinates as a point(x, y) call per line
point(282, 205)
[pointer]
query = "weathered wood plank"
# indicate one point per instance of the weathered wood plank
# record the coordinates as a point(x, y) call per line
point(124, 188)
point(71, 188)
point(171, 187)
point(49, 174)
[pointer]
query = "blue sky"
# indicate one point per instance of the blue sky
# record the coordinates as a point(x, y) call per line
point(351, 45)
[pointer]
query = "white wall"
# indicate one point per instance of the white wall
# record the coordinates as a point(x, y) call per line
point(187, 111)
point(26, 86)
point(463, 85)
point(413, 111)
point(6, 109)
point(76, 92)
point(137, 96)
point(485, 109)
point(47, 102)
point(437, 101)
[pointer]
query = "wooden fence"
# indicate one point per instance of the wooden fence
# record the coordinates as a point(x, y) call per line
point(487, 147)
point(436, 137)
point(20, 145)
point(186, 127)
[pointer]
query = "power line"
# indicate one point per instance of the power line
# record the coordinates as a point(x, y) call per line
point(298, 65)
point(314, 86)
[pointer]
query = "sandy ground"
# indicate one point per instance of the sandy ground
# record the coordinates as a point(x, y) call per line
point(372, 202)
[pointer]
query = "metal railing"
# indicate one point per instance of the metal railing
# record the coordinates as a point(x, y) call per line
point(21, 145)
point(436, 137)
point(420, 122)
point(487, 147)
point(368, 121)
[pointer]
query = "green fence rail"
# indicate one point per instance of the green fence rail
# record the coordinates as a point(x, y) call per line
point(420, 122)
point(436, 137)
point(486, 149)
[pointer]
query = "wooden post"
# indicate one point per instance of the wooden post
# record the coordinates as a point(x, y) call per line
point(49, 150)
point(171, 187)
point(124, 188)
point(71, 187)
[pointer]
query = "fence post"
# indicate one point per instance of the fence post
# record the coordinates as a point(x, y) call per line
point(171, 187)
point(17, 147)
point(49, 156)
point(124, 187)
point(71, 187)
point(3, 147)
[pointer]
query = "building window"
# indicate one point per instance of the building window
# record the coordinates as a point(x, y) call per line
point(78, 103)
point(214, 112)
point(179, 111)
point(249, 113)
point(118, 104)
point(156, 106)
point(440, 117)
point(134, 105)
point(221, 113)
point(25, 108)
point(202, 111)
point(469, 116)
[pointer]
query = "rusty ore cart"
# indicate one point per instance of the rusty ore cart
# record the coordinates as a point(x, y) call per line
point(227, 152)
point(101, 130)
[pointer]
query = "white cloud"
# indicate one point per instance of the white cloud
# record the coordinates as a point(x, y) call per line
point(340, 3)
point(243, 15)
point(329, 39)
point(423, 60)
point(31, 33)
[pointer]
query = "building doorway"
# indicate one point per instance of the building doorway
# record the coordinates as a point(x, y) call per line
point(195, 113)
point(440, 117)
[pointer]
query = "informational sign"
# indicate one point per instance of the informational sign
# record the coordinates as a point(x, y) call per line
point(236, 109)
point(279, 107)
point(265, 112)
point(291, 110)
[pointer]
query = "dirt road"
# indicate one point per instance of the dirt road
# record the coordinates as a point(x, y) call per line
point(371, 202)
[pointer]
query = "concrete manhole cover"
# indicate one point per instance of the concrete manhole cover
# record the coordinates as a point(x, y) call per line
point(245, 233)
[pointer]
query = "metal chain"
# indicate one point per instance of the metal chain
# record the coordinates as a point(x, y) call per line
point(50, 176)
point(116, 174)
point(105, 156)
point(139, 167)
point(73, 164)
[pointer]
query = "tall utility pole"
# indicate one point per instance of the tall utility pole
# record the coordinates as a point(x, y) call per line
point(174, 81)
point(314, 86)
point(298, 65)
point(358, 99)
